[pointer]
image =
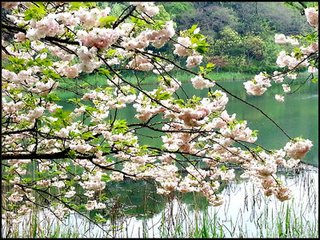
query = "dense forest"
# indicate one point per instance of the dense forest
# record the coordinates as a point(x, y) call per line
point(240, 34)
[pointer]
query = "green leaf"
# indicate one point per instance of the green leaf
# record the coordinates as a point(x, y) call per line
point(107, 21)
point(223, 168)
point(35, 12)
point(257, 149)
point(163, 96)
point(104, 71)
point(255, 133)
point(105, 178)
point(179, 102)
point(72, 154)
point(193, 101)
point(194, 27)
point(99, 218)
point(314, 80)
point(16, 64)
point(87, 135)
point(77, 5)
point(138, 22)
point(52, 97)
point(111, 53)
point(120, 126)
point(74, 100)
point(51, 74)
point(84, 85)
point(210, 66)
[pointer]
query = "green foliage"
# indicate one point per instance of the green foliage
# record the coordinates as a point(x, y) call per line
point(52, 97)
point(77, 5)
point(63, 117)
point(207, 69)
point(99, 218)
point(51, 74)
point(105, 178)
point(253, 47)
point(120, 126)
point(311, 37)
point(194, 101)
point(160, 94)
point(198, 40)
point(257, 149)
point(37, 12)
point(87, 136)
point(107, 21)
point(163, 14)
point(179, 102)
point(175, 9)
point(116, 8)
point(314, 80)
point(241, 33)
point(16, 64)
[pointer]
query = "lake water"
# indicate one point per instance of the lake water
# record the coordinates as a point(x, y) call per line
point(140, 212)
point(298, 115)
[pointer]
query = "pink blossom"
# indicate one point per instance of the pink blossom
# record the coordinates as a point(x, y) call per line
point(293, 41)
point(194, 60)
point(181, 49)
point(216, 200)
point(36, 113)
point(312, 16)
point(283, 193)
point(9, 5)
point(312, 69)
point(146, 7)
point(48, 26)
point(199, 82)
point(292, 75)
point(279, 98)
point(16, 197)
point(141, 63)
point(91, 205)
point(297, 149)
point(286, 88)
point(20, 36)
point(98, 37)
point(71, 72)
point(280, 38)
point(268, 182)
point(254, 88)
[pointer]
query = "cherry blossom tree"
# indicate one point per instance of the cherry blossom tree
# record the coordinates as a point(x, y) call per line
point(52, 154)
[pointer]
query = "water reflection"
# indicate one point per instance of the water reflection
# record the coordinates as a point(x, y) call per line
point(245, 213)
